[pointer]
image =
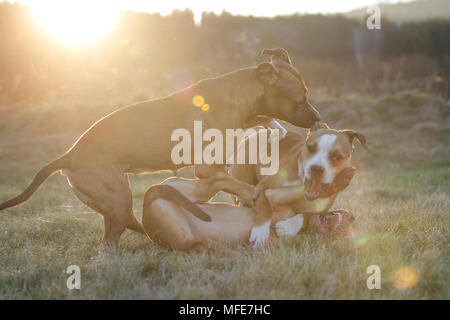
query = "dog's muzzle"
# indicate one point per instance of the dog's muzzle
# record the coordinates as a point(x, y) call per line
point(306, 115)
point(314, 189)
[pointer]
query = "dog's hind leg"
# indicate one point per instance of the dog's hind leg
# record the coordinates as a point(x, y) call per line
point(107, 192)
point(247, 193)
point(167, 224)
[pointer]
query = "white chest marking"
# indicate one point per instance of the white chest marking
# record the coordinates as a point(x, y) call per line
point(324, 145)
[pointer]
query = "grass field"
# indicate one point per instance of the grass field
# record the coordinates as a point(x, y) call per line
point(400, 197)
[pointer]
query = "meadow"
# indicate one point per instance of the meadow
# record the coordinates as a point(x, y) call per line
point(400, 197)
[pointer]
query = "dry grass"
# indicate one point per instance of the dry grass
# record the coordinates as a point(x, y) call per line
point(400, 197)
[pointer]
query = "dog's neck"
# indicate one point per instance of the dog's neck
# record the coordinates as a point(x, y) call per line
point(237, 100)
point(244, 100)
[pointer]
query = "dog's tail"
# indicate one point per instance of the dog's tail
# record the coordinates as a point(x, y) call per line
point(167, 192)
point(39, 178)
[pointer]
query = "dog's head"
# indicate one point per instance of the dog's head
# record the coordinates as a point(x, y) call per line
point(325, 153)
point(285, 92)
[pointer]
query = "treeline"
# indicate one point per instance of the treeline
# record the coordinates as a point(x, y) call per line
point(165, 53)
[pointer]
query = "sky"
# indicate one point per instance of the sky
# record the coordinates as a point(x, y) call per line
point(256, 8)
point(81, 21)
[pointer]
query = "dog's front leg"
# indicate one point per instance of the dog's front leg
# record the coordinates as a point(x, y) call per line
point(289, 227)
point(268, 200)
point(260, 234)
point(280, 197)
point(204, 171)
point(263, 216)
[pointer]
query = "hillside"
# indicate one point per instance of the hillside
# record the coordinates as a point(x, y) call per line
point(410, 11)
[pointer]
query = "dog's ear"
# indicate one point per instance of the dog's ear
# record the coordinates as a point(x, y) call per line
point(267, 73)
point(351, 135)
point(316, 126)
point(279, 53)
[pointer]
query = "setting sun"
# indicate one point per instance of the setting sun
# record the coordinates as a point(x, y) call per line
point(75, 22)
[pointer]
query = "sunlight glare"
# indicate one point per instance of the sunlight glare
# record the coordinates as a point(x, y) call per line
point(75, 22)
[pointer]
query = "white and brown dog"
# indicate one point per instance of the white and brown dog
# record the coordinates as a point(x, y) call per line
point(312, 172)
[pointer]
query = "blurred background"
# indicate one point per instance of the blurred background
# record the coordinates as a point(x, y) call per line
point(99, 50)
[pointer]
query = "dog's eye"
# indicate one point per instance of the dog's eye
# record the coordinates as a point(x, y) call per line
point(336, 157)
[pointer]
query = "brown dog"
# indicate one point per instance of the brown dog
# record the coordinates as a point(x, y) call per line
point(137, 138)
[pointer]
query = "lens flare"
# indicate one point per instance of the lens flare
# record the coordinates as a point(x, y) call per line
point(282, 173)
point(405, 277)
point(359, 239)
point(205, 107)
point(198, 101)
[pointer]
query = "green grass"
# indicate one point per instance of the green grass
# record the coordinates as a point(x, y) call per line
point(401, 203)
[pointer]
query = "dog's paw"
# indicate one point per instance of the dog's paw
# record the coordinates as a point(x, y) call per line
point(248, 197)
point(260, 234)
point(289, 227)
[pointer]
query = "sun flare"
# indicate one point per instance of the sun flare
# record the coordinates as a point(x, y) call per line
point(75, 22)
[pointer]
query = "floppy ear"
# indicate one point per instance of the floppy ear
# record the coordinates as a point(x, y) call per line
point(277, 52)
point(267, 73)
point(351, 135)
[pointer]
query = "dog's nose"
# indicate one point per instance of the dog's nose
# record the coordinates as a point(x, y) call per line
point(316, 171)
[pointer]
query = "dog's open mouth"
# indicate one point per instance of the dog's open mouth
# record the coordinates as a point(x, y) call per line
point(314, 189)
